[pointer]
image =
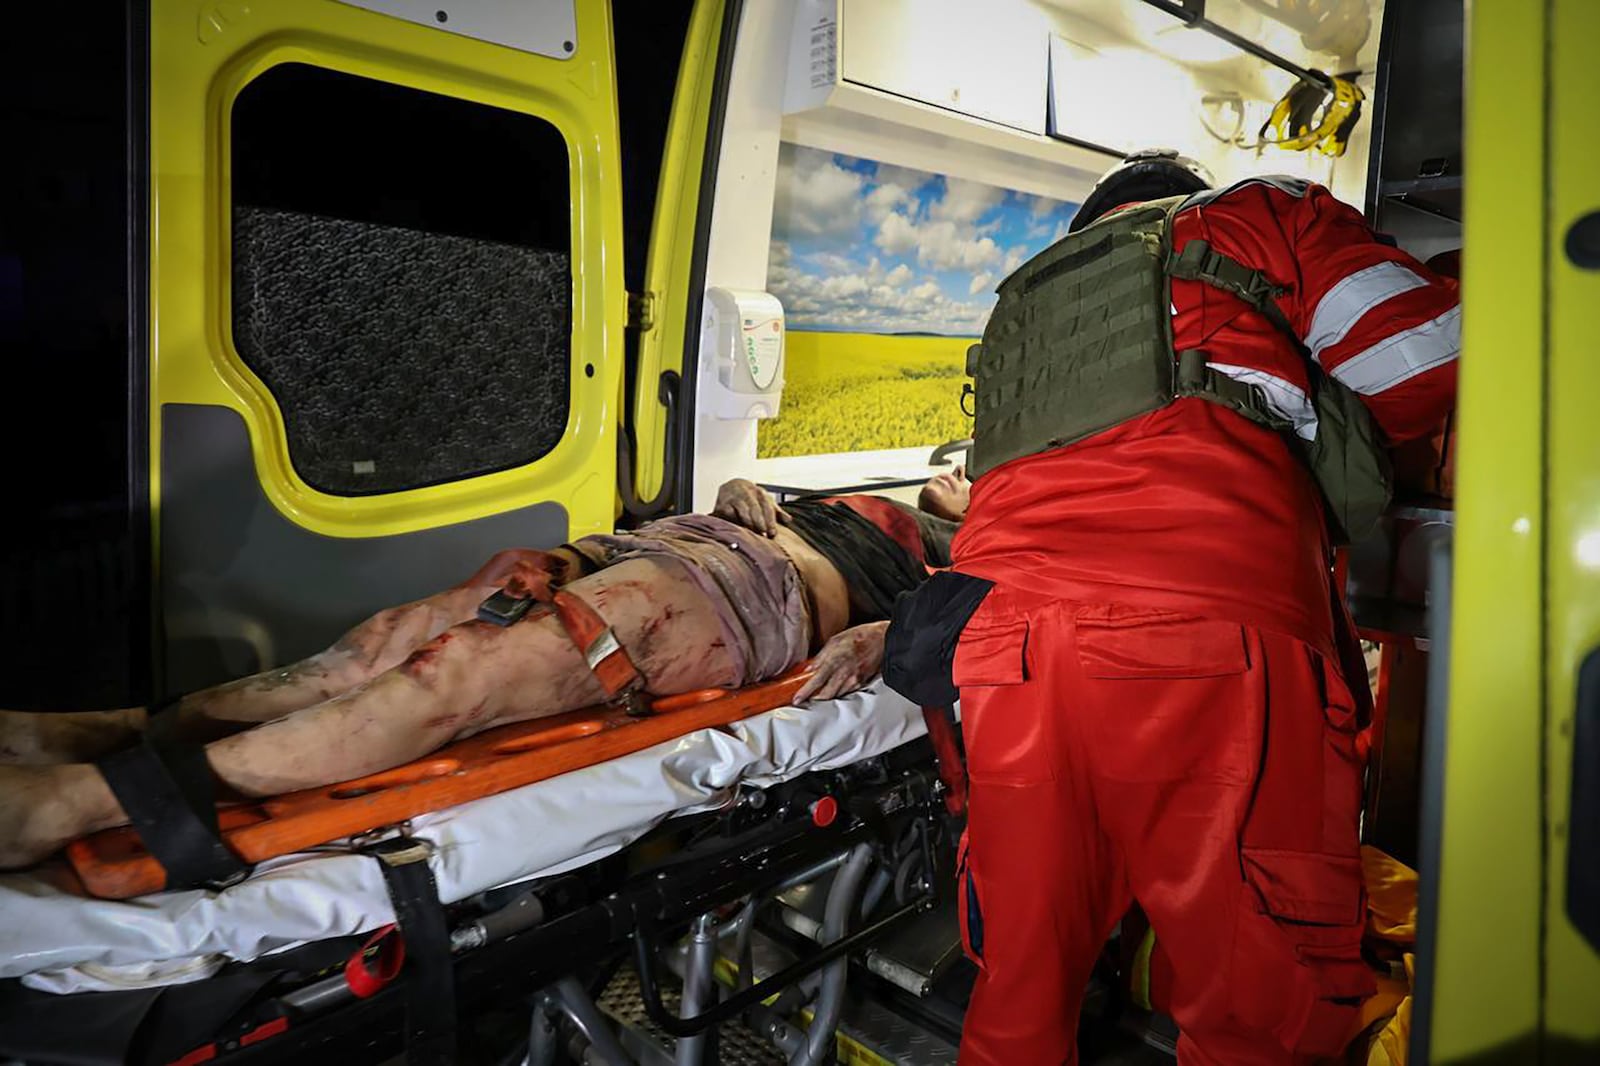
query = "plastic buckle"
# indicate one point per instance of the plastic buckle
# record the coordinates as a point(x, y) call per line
point(505, 609)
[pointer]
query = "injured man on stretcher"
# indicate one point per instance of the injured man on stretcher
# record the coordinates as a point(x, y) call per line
point(695, 601)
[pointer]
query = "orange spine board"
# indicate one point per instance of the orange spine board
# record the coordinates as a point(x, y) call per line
point(114, 864)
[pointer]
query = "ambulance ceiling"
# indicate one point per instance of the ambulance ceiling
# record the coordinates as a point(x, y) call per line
point(961, 88)
point(1335, 36)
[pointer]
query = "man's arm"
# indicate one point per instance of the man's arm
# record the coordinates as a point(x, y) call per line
point(748, 504)
point(1375, 318)
point(847, 662)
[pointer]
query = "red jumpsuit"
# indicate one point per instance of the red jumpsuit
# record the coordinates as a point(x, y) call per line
point(1151, 694)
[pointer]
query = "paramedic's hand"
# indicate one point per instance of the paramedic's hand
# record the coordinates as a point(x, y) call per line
point(847, 662)
point(748, 504)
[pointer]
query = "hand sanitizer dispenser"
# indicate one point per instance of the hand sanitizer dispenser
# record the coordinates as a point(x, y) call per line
point(741, 353)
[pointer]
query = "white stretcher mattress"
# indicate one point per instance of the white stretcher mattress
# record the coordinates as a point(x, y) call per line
point(60, 942)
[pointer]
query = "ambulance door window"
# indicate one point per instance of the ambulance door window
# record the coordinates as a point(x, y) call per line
point(401, 278)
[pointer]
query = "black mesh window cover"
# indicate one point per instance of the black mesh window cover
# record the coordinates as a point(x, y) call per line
point(401, 278)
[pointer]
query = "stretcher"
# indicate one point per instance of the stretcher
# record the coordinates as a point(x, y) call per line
point(777, 797)
point(54, 939)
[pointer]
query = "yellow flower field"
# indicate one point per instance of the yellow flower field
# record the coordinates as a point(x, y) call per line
point(848, 392)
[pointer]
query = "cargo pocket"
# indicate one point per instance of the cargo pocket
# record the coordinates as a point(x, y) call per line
point(969, 907)
point(1297, 967)
point(1162, 694)
point(1009, 730)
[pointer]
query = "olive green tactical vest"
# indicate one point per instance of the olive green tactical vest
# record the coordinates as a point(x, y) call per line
point(1080, 340)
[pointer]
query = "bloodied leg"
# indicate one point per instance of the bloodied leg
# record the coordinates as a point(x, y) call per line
point(376, 645)
point(469, 678)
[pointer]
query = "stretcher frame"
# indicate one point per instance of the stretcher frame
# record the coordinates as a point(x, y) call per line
point(763, 851)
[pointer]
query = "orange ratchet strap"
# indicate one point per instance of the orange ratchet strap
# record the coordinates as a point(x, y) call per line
point(602, 651)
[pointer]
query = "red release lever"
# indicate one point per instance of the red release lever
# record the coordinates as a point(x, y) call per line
point(366, 980)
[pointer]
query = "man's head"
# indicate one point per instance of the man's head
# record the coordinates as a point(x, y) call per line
point(1151, 174)
point(946, 495)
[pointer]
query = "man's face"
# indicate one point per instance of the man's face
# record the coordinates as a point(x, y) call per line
point(946, 495)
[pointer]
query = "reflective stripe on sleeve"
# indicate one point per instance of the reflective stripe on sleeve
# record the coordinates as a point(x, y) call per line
point(1404, 355)
point(1342, 306)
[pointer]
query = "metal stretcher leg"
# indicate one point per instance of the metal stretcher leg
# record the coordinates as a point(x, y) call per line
point(574, 1001)
point(836, 922)
point(698, 986)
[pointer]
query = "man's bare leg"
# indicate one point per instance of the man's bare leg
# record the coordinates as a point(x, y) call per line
point(470, 678)
point(378, 644)
point(35, 739)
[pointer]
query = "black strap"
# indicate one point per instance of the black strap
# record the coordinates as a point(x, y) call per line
point(428, 975)
point(165, 788)
point(1198, 261)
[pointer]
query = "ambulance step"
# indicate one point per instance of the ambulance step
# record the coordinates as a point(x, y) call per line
point(912, 956)
point(872, 1033)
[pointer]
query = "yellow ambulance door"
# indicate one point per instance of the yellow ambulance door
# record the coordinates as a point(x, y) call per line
point(1510, 925)
point(1571, 949)
point(387, 307)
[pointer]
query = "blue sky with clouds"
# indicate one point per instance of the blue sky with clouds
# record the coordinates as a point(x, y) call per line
point(869, 247)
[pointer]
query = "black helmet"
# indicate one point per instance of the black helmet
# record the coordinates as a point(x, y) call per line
point(1145, 175)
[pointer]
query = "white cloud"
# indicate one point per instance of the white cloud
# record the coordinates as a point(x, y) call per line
point(943, 246)
point(965, 201)
point(816, 197)
point(940, 244)
point(1015, 257)
point(907, 178)
point(1061, 231)
point(980, 282)
point(874, 300)
point(897, 235)
point(832, 262)
point(882, 200)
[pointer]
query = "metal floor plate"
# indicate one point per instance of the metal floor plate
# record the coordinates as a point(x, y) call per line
point(622, 1002)
point(881, 1035)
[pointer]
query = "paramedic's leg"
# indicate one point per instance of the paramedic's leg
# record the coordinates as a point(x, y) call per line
point(1226, 767)
point(468, 679)
point(378, 644)
point(1042, 886)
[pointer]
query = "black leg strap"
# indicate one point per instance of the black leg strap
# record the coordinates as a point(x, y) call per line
point(165, 788)
point(428, 974)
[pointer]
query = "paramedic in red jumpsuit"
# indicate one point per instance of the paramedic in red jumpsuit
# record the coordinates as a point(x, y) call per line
point(1151, 693)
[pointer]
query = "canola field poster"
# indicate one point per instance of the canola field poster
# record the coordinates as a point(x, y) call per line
point(887, 275)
